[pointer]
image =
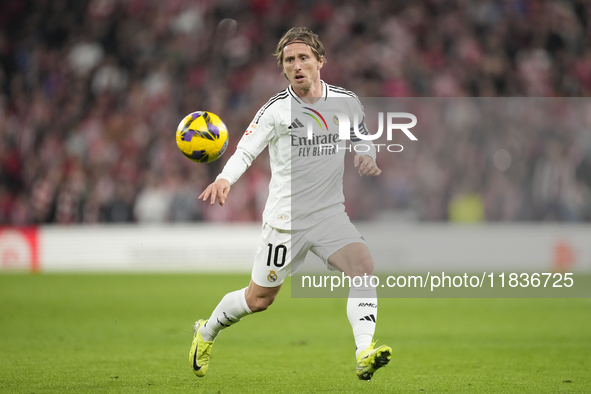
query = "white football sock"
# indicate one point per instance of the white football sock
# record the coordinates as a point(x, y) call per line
point(362, 311)
point(231, 309)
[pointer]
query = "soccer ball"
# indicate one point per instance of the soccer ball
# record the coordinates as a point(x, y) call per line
point(202, 137)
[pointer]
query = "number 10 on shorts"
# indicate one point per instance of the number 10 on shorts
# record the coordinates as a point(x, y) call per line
point(278, 250)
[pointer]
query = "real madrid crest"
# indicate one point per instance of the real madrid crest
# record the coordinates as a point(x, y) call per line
point(272, 277)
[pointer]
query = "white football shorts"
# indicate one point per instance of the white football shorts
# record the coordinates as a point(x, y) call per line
point(281, 253)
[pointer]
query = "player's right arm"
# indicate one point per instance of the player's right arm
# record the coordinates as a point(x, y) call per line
point(219, 189)
point(255, 139)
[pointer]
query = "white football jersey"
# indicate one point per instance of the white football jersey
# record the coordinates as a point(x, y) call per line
point(306, 154)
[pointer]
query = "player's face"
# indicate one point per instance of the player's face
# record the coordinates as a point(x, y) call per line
point(301, 66)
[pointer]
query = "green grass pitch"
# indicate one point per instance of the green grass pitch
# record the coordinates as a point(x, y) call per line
point(127, 333)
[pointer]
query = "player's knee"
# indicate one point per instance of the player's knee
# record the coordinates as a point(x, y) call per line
point(363, 267)
point(260, 304)
point(368, 266)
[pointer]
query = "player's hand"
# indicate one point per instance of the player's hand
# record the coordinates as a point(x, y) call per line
point(366, 165)
point(219, 189)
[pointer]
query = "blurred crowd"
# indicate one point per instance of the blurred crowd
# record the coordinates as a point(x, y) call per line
point(91, 92)
point(494, 158)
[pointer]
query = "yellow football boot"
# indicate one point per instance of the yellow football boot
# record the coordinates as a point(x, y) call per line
point(200, 350)
point(370, 360)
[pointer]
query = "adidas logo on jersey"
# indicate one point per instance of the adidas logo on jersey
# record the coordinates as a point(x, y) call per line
point(368, 318)
point(296, 124)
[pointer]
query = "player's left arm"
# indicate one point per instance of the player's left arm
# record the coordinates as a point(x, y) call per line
point(366, 165)
point(365, 160)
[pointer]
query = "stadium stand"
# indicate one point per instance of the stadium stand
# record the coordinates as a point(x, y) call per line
point(91, 92)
